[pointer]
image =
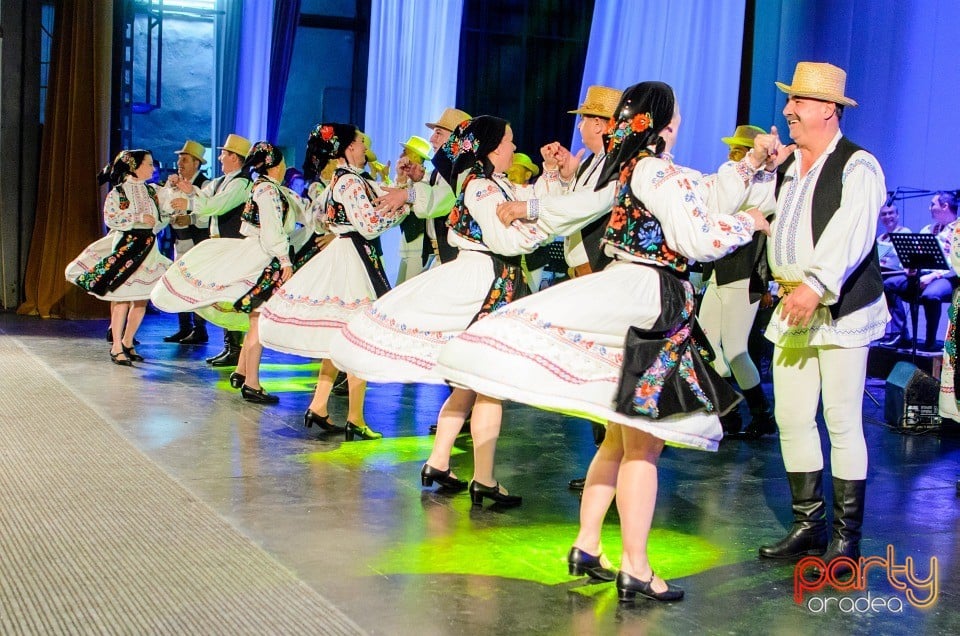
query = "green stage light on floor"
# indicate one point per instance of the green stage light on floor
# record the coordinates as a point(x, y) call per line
point(532, 551)
point(388, 451)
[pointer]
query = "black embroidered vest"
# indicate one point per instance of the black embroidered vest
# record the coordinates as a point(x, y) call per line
point(251, 211)
point(336, 212)
point(635, 230)
point(865, 284)
point(460, 219)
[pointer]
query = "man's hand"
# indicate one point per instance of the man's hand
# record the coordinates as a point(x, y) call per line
point(550, 154)
point(510, 211)
point(798, 306)
point(569, 163)
point(184, 186)
point(394, 199)
point(180, 220)
point(180, 205)
point(148, 219)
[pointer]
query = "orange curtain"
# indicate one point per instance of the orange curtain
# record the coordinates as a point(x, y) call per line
point(74, 147)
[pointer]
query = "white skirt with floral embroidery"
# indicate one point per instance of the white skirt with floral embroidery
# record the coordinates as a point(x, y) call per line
point(210, 278)
point(561, 349)
point(322, 296)
point(400, 336)
point(137, 287)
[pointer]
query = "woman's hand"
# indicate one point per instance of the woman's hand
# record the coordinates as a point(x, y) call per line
point(285, 273)
point(148, 219)
point(393, 200)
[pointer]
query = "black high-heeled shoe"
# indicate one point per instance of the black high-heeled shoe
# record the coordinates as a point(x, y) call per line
point(237, 380)
point(479, 491)
point(257, 396)
point(628, 587)
point(580, 563)
point(133, 355)
point(429, 474)
point(123, 362)
point(323, 422)
point(353, 431)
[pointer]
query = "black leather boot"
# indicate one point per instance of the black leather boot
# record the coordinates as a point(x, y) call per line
point(185, 327)
point(847, 520)
point(226, 348)
point(231, 355)
point(761, 415)
point(731, 423)
point(197, 335)
point(808, 536)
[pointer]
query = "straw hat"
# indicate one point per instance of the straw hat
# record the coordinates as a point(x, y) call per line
point(418, 146)
point(743, 136)
point(237, 144)
point(520, 159)
point(450, 119)
point(818, 80)
point(600, 101)
point(194, 149)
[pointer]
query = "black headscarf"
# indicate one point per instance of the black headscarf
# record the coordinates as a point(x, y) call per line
point(327, 141)
point(645, 109)
point(262, 155)
point(469, 146)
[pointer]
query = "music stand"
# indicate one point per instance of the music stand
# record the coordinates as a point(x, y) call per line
point(917, 252)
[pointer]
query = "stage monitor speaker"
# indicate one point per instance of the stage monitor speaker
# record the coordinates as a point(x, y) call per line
point(912, 398)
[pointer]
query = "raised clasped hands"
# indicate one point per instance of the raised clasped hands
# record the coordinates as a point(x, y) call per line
point(768, 152)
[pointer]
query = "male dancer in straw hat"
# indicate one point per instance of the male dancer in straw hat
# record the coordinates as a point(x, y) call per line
point(431, 200)
point(822, 252)
point(188, 231)
point(735, 286)
point(221, 201)
point(413, 255)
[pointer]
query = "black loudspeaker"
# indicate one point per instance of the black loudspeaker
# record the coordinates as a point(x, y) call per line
point(912, 398)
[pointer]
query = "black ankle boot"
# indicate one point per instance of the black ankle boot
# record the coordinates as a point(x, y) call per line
point(230, 356)
point(761, 415)
point(731, 423)
point(847, 520)
point(809, 532)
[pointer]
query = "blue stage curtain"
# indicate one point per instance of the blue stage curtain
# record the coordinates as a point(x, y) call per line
point(227, 26)
point(411, 77)
point(286, 14)
point(693, 45)
point(901, 65)
point(253, 85)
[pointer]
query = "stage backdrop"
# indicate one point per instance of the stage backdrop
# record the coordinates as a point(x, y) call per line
point(695, 46)
point(411, 78)
point(902, 67)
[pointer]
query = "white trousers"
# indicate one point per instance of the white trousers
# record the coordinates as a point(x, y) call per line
point(801, 377)
point(726, 316)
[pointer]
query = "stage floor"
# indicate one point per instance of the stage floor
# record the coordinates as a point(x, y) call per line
point(352, 522)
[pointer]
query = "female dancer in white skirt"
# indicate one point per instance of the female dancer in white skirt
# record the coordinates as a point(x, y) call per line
point(238, 275)
point(124, 265)
point(564, 348)
point(400, 337)
point(340, 281)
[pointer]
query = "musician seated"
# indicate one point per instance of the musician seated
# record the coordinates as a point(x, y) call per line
point(936, 286)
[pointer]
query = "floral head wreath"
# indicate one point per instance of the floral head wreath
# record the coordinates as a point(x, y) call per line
point(618, 129)
point(272, 156)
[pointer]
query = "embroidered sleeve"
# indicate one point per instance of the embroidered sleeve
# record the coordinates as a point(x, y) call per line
point(550, 184)
point(350, 191)
point(566, 214)
point(273, 236)
point(849, 236)
point(315, 212)
point(118, 212)
point(690, 227)
point(482, 197)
